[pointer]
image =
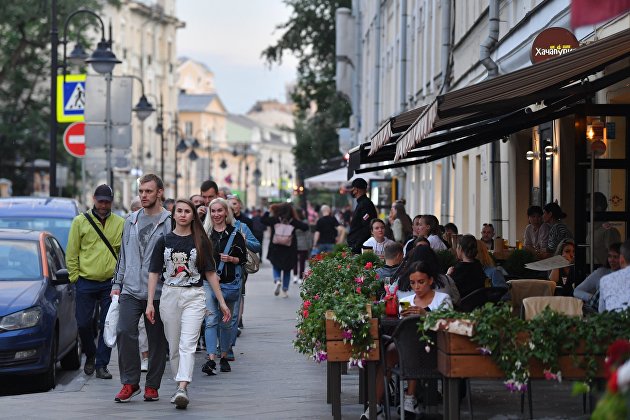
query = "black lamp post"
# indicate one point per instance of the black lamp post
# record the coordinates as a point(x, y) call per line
point(102, 60)
point(182, 147)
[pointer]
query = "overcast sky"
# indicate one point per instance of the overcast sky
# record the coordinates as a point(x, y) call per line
point(228, 36)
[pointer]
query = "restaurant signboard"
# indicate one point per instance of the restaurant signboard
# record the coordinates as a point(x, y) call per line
point(552, 42)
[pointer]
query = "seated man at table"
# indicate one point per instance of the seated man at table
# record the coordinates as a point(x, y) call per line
point(425, 299)
point(614, 288)
point(393, 258)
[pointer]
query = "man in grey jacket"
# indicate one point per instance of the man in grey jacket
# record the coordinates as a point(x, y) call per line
point(141, 231)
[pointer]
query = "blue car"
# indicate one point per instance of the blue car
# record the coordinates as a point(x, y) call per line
point(37, 308)
point(52, 214)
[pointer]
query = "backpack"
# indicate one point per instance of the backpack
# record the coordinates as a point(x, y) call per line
point(283, 233)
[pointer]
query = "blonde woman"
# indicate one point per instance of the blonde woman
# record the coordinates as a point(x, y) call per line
point(493, 273)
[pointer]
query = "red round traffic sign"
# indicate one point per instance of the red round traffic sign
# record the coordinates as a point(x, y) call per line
point(74, 139)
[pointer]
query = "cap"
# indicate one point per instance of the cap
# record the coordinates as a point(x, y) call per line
point(360, 183)
point(104, 193)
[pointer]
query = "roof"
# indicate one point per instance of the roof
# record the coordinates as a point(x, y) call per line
point(485, 112)
point(242, 120)
point(39, 206)
point(19, 234)
point(195, 103)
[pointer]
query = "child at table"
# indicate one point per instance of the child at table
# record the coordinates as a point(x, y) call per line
point(425, 299)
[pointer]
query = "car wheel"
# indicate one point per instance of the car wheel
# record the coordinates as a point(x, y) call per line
point(72, 360)
point(48, 379)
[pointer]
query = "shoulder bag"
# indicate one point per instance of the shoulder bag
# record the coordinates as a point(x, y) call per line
point(231, 291)
point(253, 261)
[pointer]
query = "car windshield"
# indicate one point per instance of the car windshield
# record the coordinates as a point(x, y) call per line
point(58, 227)
point(19, 260)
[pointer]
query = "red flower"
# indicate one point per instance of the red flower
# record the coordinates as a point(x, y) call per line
point(359, 289)
point(316, 297)
point(618, 352)
point(307, 304)
point(368, 265)
point(343, 254)
point(305, 313)
point(612, 385)
point(377, 276)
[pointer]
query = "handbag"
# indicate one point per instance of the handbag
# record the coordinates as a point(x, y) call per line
point(253, 260)
point(231, 291)
point(111, 322)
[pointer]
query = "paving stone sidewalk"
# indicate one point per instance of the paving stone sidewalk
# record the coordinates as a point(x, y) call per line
point(269, 380)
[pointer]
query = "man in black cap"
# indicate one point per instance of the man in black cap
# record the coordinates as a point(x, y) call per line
point(364, 212)
point(93, 246)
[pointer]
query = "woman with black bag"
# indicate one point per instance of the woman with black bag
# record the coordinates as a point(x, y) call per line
point(230, 255)
point(283, 244)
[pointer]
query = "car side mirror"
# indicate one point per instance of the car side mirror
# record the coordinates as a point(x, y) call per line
point(62, 277)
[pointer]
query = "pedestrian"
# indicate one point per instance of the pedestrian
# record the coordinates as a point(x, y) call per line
point(93, 247)
point(142, 331)
point(141, 232)
point(363, 214)
point(180, 258)
point(304, 245)
point(229, 250)
point(258, 228)
point(209, 191)
point(327, 231)
point(282, 250)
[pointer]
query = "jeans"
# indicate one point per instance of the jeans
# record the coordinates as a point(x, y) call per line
point(182, 309)
point(131, 309)
point(323, 248)
point(234, 320)
point(214, 322)
point(286, 277)
point(90, 293)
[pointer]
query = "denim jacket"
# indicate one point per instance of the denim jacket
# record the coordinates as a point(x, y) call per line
point(250, 240)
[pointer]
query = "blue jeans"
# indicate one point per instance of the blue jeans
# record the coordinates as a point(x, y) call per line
point(286, 277)
point(90, 293)
point(234, 320)
point(322, 248)
point(214, 323)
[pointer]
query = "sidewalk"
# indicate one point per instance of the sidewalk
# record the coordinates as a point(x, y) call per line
point(269, 380)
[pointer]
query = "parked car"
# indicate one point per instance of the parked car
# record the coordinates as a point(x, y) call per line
point(52, 214)
point(38, 327)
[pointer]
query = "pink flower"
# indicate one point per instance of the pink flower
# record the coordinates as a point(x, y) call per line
point(358, 280)
point(359, 289)
point(377, 276)
point(339, 267)
point(305, 313)
point(316, 297)
point(368, 265)
point(346, 334)
point(343, 254)
point(307, 304)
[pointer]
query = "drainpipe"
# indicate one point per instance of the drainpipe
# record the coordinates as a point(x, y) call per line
point(403, 54)
point(356, 86)
point(492, 40)
point(445, 215)
point(377, 67)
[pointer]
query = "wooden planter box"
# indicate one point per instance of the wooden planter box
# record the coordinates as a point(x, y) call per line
point(338, 351)
point(459, 357)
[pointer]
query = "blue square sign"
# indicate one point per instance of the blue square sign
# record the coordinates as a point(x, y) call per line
point(70, 97)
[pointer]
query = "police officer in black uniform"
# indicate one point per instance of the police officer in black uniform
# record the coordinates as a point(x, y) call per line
point(363, 214)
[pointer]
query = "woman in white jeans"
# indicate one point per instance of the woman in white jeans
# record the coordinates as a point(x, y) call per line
point(182, 256)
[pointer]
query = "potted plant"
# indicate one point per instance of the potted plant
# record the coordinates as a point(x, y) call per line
point(347, 287)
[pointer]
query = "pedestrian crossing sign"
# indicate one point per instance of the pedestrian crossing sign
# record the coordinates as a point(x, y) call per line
point(70, 97)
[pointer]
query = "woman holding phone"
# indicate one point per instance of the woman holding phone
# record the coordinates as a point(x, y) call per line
point(181, 257)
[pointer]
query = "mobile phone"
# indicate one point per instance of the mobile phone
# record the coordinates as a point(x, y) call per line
point(405, 305)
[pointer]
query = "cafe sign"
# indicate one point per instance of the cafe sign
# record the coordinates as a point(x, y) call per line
point(552, 42)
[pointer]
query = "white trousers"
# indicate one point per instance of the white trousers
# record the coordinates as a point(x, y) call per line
point(143, 342)
point(182, 310)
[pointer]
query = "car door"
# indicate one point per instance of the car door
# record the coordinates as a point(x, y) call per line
point(66, 295)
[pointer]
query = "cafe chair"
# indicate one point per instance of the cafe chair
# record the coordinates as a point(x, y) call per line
point(480, 297)
point(524, 288)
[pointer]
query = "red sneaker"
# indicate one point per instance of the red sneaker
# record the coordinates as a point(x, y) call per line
point(127, 392)
point(150, 394)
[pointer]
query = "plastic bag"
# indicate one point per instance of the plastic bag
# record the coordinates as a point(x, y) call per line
point(111, 322)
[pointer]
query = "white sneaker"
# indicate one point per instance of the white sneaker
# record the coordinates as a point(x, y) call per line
point(380, 414)
point(284, 294)
point(295, 280)
point(277, 288)
point(144, 365)
point(410, 404)
point(180, 399)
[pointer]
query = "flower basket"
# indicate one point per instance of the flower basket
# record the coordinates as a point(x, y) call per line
point(340, 348)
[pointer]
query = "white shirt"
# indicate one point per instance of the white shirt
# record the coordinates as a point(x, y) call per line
point(439, 300)
point(378, 247)
point(437, 244)
point(614, 291)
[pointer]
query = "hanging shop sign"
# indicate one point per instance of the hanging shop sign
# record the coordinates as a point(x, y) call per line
point(552, 42)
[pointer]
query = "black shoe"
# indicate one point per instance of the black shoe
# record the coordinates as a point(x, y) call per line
point(225, 365)
point(209, 368)
point(90, 365)
point(240, 323)
point(103, 373)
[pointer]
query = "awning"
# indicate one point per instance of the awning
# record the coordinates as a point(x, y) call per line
point(495, 107)
point(332, 180)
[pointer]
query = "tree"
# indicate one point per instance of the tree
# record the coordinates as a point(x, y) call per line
point(309, 34)
point(24, 83)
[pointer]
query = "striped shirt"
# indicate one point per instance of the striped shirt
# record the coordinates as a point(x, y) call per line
point(558, 232)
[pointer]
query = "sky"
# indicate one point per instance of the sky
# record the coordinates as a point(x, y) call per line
point(228, 37)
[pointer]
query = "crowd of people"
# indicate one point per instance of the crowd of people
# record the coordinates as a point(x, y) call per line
point(179, 268)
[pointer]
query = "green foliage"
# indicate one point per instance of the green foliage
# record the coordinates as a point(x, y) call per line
point(309, 35)
point(515, 263)
point(446, 259)
point(341, 283)
point(512, 342)
point(25, 83)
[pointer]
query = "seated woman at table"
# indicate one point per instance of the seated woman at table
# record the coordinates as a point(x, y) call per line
point(493, 273)
point(421, 277)
point(565, 276)
point(588, 289)
point(468, 272)
point(377, 241)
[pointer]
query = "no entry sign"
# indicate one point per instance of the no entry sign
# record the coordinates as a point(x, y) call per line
point(74, 139)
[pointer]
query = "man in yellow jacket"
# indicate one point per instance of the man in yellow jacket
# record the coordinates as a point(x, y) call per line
point(93, 246)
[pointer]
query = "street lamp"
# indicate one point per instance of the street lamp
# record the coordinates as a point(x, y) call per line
point(102, 61)
point(159, 129)
point(182, 147)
